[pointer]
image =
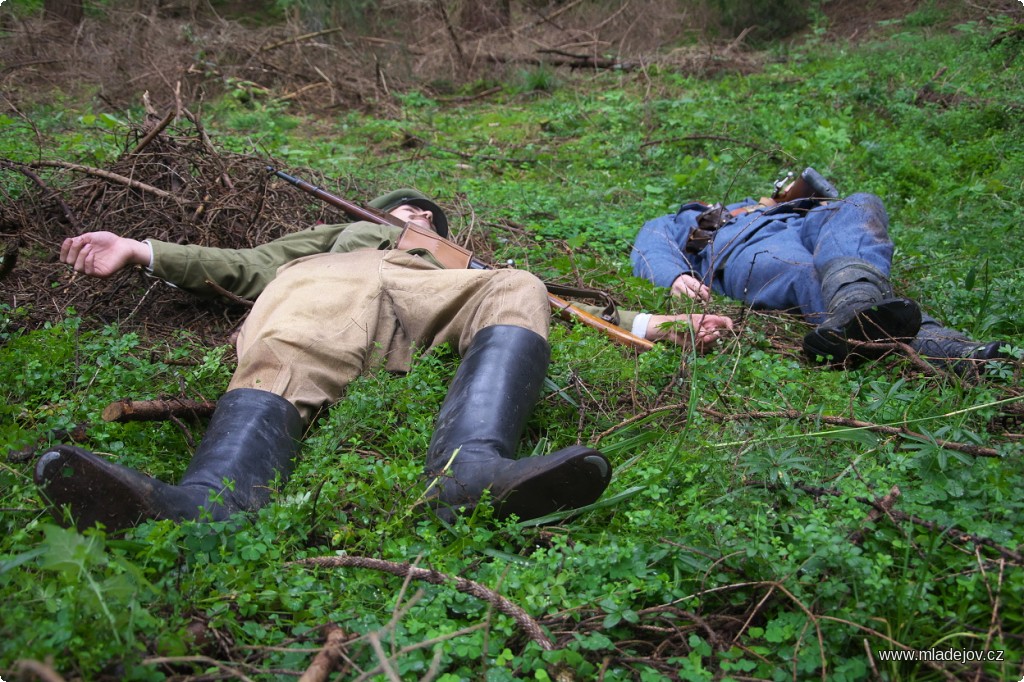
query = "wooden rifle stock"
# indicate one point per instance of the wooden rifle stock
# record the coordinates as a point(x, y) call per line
point(568, 311)
point(565, 309)
point(809, 184)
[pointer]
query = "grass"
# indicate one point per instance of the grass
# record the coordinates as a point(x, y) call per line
point(736, 541)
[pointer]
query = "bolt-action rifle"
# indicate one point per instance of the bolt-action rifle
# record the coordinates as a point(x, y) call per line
point(810, 185)
point(452, 255)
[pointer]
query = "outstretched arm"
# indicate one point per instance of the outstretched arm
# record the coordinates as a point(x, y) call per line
point(102, 254)
point(659, 254)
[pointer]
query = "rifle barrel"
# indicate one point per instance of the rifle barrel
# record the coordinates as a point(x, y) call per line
point(353, 209)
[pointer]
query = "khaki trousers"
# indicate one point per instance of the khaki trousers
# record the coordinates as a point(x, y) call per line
point(327, 318)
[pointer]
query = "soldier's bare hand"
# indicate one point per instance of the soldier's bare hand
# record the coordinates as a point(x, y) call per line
point(703, 330)
point(102, 254)
point(691, 287)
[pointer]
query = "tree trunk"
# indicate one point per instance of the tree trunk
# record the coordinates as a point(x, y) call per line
point(66, 10)
point(483, 16)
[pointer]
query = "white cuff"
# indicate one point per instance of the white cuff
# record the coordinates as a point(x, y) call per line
point(640, 325)
point(149, 268)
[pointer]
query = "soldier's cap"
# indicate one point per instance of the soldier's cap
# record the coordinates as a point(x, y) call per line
point(413, 198)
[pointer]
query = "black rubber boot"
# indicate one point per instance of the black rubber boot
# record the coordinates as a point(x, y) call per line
point(949, 349)
point(252, 436)
point(861, 307)
point(478, 430)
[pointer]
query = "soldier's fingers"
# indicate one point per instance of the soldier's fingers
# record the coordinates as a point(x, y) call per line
point(84, 259)
point(73, 248)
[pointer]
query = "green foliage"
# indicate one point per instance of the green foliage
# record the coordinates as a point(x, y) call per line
point(746, 546)
point(539, 79)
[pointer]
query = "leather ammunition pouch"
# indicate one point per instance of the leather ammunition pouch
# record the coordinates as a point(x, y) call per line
point(708, 222)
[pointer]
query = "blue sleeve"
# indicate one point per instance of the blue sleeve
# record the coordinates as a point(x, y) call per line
point(658, 254)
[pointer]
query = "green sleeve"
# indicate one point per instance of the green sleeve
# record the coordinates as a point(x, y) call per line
point(246, 272)
point(624, 319)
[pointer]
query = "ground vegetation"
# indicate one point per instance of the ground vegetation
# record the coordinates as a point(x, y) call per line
point(769, 519)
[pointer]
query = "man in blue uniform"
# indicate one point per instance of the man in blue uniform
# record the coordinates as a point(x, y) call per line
point(829, 260)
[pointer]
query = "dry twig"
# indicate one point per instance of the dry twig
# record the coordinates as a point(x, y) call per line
point(966, 448)
point(155, 410)
point(329, 657)
point(526, 623)
point(113, 177)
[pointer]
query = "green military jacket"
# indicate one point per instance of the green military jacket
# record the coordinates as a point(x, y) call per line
point(247, 272)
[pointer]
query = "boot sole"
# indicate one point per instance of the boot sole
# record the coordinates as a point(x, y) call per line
point(91, 487)
point(893, 320)
point(568, 479)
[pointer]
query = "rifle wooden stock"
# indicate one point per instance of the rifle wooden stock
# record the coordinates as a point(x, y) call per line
point(809, 184)
point(565, 309)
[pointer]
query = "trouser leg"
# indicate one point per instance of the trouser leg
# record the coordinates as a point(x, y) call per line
point(852, 255)
point(327, 319)
point(856, 227)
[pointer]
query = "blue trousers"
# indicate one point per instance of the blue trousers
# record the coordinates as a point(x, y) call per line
point(776, 266)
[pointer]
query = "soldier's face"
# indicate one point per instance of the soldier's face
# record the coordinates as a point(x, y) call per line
point(411, 214)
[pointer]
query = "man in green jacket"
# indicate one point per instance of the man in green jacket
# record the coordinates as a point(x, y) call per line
point(333, 302)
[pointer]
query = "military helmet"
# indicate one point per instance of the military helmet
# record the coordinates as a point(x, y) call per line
point(413, 198)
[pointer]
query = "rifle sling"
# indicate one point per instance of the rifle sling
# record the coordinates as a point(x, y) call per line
point(610, 312)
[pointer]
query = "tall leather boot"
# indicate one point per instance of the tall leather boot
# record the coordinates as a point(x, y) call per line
point(949, 349)
point(478, 429)
point(861, 307)
point(252, 436)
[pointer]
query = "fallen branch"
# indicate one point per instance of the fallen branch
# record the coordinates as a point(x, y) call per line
point(47, 191)
point(299, 39)
point(157, 410)
point(464, 585)
point(954, 532)
point(329, 657)
point(559, 59)
point(226, 670)
point(227, 294)
point(881, 507)
point(580, 61)
point(637, 417)
point(108, 175)
point(966, 448)
point(38, 669)
point(884, 506)
point(919, 363)
point(151, 135)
